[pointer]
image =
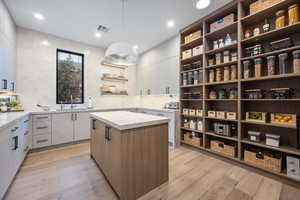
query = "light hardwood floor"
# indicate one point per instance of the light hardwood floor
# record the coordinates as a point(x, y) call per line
point(68, 173)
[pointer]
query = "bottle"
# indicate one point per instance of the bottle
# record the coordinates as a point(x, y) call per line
point(90, 103)
point(266, 27)
point(228, 40)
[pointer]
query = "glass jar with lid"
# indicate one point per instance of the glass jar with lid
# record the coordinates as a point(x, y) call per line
point(233, 75)
point(226, 74)
point(280, 19)
point(219, 74)
point(296, 61)
point(247, 69)
point(283, 63)
point(271, 65)
point(293, 14)
point(258, 67)
point(211, 76)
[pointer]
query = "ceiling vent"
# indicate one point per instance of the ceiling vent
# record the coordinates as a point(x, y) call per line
point(103, 29)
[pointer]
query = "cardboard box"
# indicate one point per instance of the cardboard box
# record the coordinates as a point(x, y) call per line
point(186, 54)
point(261, 5)
point(197, 50)
point(293, 167)
point(211, 114)
point(221, 22)
point(220, 115)
point(199, 113)
point(193, 36)
point(231, 115)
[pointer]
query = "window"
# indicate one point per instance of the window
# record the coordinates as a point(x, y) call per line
point(69, 77)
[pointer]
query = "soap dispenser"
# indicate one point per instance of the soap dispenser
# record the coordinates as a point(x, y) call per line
point(90, 104)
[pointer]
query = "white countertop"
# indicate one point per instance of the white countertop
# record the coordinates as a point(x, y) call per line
point(7, 118)
point(124, 120)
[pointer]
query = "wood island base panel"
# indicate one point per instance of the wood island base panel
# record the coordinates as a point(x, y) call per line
point(134, 161)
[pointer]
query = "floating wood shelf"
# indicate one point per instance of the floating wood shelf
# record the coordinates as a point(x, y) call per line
point(188, 129)
point(113, 79)
point(107, 64)
point(240, 105)
point(192, 70)
point(214, 118)
point(191, 86)
point(192, 44)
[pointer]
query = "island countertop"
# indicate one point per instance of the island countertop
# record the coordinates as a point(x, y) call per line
point(124, 120)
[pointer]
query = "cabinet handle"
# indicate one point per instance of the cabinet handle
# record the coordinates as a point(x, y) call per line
point(42, 127)
point(26, 121)
point(75, 116)
point(42, 117)
point(4, 86)
point(72, 118)
point(94, 124)
point(41, 141)
point(16, 141)
point(107, 133)
point(14, 130)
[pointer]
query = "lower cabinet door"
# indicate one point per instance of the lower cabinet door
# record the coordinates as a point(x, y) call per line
point(62, 128)
point(82, 126)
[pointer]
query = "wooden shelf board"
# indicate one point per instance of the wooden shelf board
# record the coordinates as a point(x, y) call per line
point(220, 99)
point(191, 116)
point(199, 147)
point(266, 13)
point(221, 65)
point(191, 86)
point(277, 33)
point(191, 99)
point(269, 124)
point(188, 129)
point(229, 120)
point(221, 154)
point(279, 100)
point(192, 44)
point(192, 59)
point(234, 138)
point(107, 64)
point(227, 47)
point(284, 149)
point(113, 79)
point(222, 82)
point(280, 76)
point(297, 47)
point(221, 32)
point(191, 70)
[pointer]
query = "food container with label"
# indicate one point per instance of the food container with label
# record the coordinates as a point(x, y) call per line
point(213, 94)
point(218, 74)
point(211, 76)
point(222, 94)
point(226, 57)
point(226, 74)
point(233, 93)
point(280, 19)
point(184, 79)
point(254, 94)
point(192, 125)
point(233, 56)
point(221, 43)
point(296, 61)
point(211, 62)
point(293, 14)
point(258, 67)
point(273, 140)
point(248, 33)
point(233, 73)
point(254, 136)
point(283, 63)
point(196, 77)
point(271, 65)
point(218, 58)
point(247, 69)
point(257, 49)
point(200, 125)
point(282, 93)
point(215, 44)
point(256, 31)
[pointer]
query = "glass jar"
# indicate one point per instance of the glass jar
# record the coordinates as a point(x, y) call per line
point(218, 74)
point(233, 56)
point(211, 76)
point(233, 75)
point(222, 94)
point(221, 43)
point(247, 69)
point(280, 19)
point(226, 57)
point(248, 33)
point(226, 74)
point(218, 58)
point(233, 93)
point(213, 94)
point(271, 65)
point(196, 78)
point(185, 78)
point(190, 78)
point(293, 14)
point(258, 67)
point(215, 44)
point(296, 61)
point(200, 76)
point(283, 63)
point(211, 62)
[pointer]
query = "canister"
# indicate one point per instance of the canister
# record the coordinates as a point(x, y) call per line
point(283, 63)
point(233, 75)
point(296, 61)
point(271, 65)
point(185, 78)
point(293, 14)
point(247, 69)
point(226, 74)
point(258, 67)
point(219, 74)
point(280, 19)
point(190, 78)
point(211, 75)
point(196, 77)
point(226, 57)
point(218, 58)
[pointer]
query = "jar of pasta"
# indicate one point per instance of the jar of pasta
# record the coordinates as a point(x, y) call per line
point(211, 75)
point(218, 74)
point(226, 74)
point(296, 61)
point(280, 19)
point(293, 14)
point(233, 73)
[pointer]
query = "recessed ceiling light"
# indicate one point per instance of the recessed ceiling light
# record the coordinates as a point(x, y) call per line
point(136, 47)
point(39, 16)
point(171, 23)
point(201, 4)
point(98, 35)
point(45, 43)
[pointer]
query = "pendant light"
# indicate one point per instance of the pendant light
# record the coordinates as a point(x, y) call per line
point(121, 53)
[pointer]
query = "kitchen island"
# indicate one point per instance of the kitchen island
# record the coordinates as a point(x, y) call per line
point(131, 149)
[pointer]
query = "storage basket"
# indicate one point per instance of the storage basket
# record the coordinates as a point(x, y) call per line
point(221, 147)
point(193, 140)
point(261, 5)
point(264, 160)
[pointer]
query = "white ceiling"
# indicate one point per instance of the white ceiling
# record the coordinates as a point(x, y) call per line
point(145, 20)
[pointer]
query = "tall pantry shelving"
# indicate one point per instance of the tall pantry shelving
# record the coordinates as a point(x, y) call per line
point(196, 103)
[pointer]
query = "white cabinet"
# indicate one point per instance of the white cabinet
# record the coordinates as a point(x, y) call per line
point(62, 128)
point(42, 131)
point(82, 126)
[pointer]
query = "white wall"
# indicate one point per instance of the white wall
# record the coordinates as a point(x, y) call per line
point(36, 71)
point(7, 45)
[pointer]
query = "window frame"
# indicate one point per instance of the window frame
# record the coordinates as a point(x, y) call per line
point(82, 74)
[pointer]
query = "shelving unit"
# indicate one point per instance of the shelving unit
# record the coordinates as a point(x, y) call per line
point(240, 105)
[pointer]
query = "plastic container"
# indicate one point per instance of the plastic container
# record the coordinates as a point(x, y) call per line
point(293, 14)
point(233, 75)
point(296, 61)
point(254, 136)
point(218, 58)
point(219, 74)
point(226, 74)
point(283, 63)
point(211, 76)
point(185, 79)
point(247, 69)
point(226, 57)
point(258, 67)
point(271, 65)
point(190, 78)
point(280, 19)
point(273, 140)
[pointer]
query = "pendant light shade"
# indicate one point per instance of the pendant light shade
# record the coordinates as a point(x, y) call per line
point(121, 53)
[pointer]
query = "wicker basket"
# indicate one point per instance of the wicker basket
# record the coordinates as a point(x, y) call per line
point(192, 140)
point(263, 160)
point(221, 147)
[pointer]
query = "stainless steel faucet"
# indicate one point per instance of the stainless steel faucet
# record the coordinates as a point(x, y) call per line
point(61, 106)
point(72, 106)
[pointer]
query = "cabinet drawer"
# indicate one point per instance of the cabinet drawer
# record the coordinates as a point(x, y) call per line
point(37, 118)
point(42, 127)
point(41, 140)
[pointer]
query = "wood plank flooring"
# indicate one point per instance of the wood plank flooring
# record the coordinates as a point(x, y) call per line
point(69, 173)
